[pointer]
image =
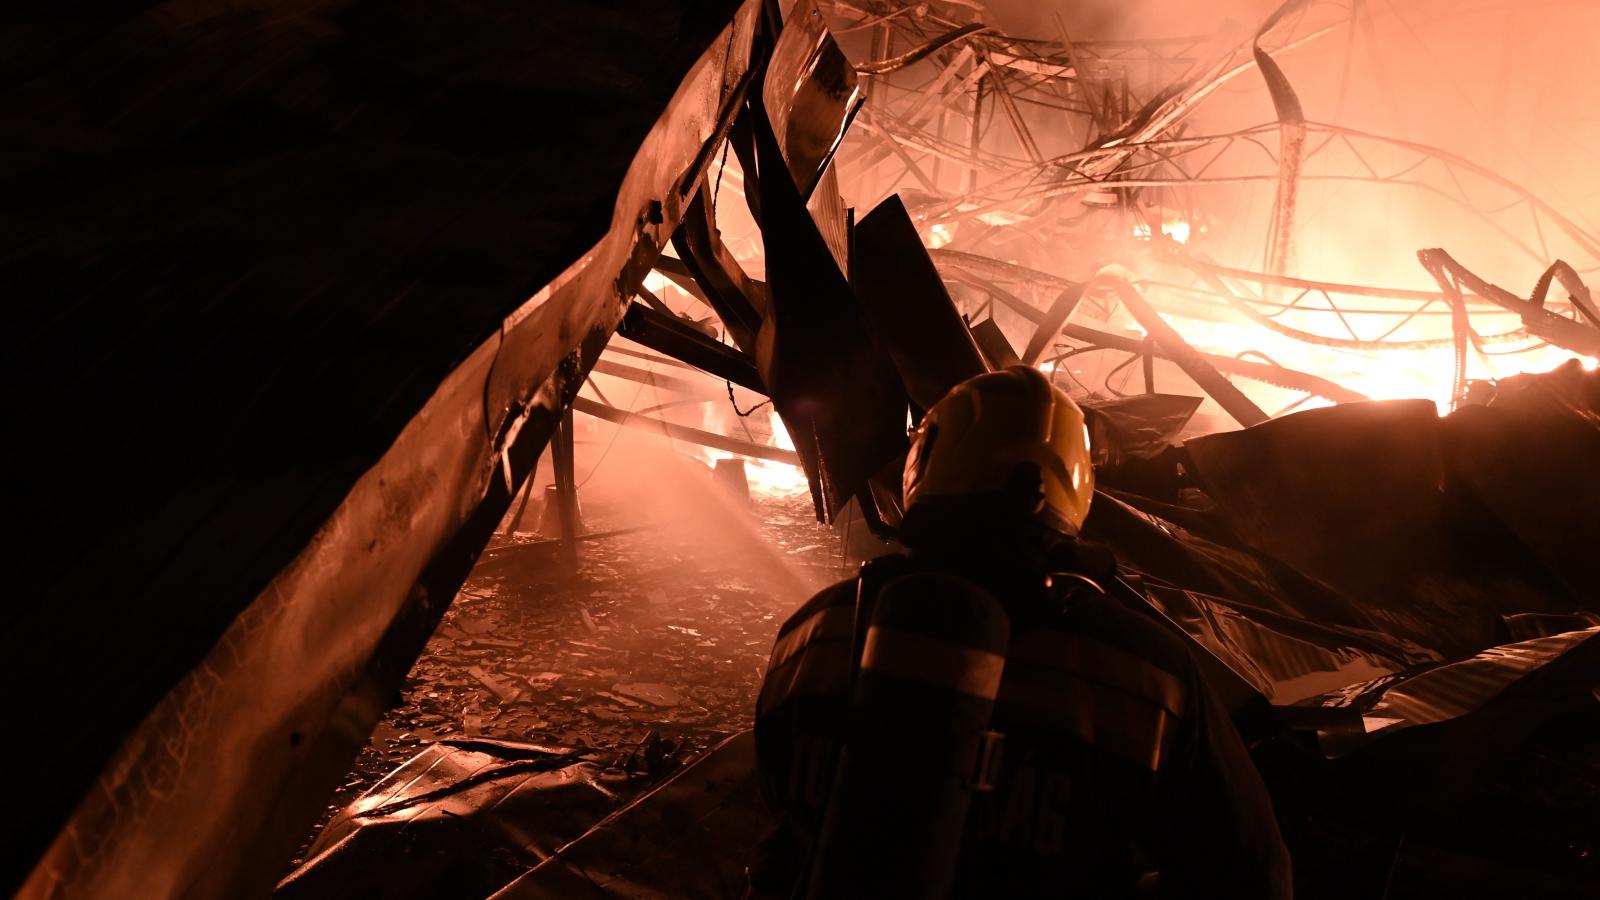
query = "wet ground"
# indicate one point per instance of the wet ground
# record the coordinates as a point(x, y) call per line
point(659, 633)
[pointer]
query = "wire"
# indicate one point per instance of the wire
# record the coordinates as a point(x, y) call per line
point(614, 435)
point(1118, 368)
point(743, 414)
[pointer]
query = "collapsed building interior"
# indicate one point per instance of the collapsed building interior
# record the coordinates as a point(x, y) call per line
point(428, 415)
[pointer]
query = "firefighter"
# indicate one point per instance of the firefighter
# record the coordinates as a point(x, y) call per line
point(978, 718)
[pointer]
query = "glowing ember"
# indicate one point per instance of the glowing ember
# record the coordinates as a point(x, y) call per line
point(768, 478)
point(774, 479)
point(1177, 229)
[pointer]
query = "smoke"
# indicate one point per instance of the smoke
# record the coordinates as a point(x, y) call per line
point(630, 477)
point(1468, 127)
point(1505, 85)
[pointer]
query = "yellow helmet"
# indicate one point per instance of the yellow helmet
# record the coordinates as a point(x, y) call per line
point(972, 441)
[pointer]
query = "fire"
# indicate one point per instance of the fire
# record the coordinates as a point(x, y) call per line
point(1176, 229)
point(1381, 374)
point(769, 478)
point(774, 479)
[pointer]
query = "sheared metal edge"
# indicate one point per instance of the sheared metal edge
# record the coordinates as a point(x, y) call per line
point(975, 270)
point(1191, 361)
point(1456, 689)
point(809, 81)
point(1444, 692)
point(638, 851)
point(210, 793)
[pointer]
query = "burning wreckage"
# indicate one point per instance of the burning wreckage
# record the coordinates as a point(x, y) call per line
point(334, 279)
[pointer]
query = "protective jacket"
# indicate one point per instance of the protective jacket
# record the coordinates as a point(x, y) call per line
point(1115, 760)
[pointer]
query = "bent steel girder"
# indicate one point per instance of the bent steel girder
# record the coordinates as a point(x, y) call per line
point(1579, 337)
point(1220, 285)
point(1193, 363)
point(982, 272)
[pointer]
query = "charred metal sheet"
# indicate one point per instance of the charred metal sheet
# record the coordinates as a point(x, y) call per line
point(459, 821)
point(977, 270)
point(736, 299)
point(833, 218)
point(1498, 802)
point(1142, 425)
point(810, 95)
point(1424, 567)
point(324, 407)
point(834, 386)
point(690, 837)
point(1415, 551)
point(1443, 692)
point(1264, 618)
point(996, 348)
point(1559, 330)
point(684, 342)
point(908, 308)
point(1529, 457)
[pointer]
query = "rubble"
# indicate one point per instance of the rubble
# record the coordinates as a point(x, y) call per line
point(619, 651)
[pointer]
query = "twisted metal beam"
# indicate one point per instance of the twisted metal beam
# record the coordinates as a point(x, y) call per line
point(977, 271)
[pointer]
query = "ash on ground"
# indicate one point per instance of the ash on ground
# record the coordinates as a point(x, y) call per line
point(665, 628)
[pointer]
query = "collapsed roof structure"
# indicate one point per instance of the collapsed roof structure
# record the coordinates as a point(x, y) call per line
point(308, 293)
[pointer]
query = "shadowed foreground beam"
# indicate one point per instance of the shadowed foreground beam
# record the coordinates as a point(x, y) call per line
point(224, 766)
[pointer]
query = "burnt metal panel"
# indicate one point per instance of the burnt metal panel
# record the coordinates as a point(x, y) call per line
point(908, 308)
point(996, 347)
point(834, 386)
point(459, 821)
point(1138, 426)
point(810, 94)
point(690, 837)
point(1416, 545)
point(1530, 457)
